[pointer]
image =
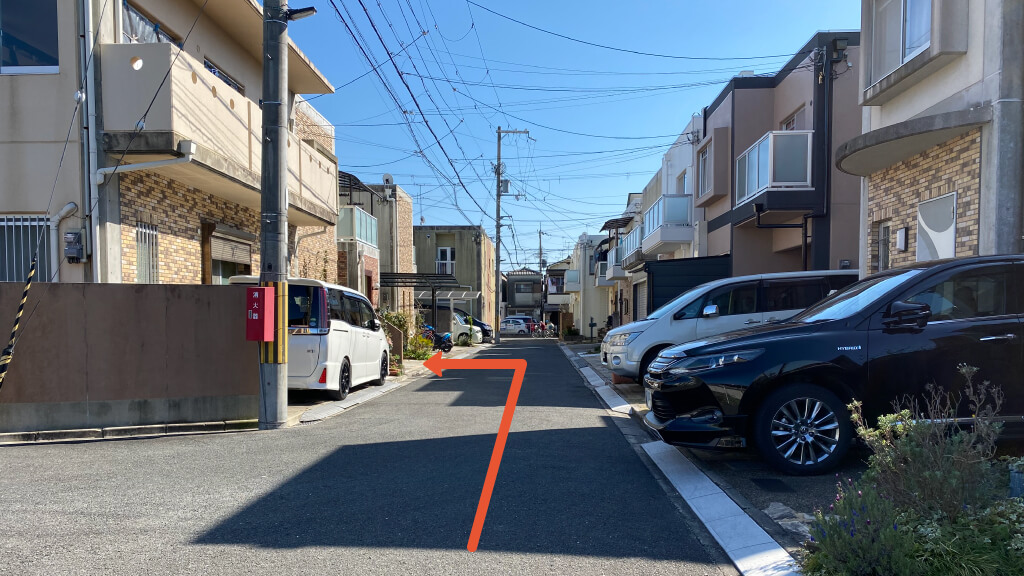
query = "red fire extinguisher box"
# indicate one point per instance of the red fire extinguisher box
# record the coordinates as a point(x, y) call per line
point(259, 314)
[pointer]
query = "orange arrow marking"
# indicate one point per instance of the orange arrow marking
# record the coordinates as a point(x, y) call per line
point(437, 364)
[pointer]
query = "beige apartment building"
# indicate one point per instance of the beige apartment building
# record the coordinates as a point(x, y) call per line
point(942, 149)
point(466, 252)
point(762, 163)
point(184, 206)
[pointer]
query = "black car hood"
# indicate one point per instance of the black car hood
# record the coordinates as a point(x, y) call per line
point(742, 339)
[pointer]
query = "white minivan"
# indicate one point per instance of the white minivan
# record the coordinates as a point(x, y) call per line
point(335, 340)
point(716, 308)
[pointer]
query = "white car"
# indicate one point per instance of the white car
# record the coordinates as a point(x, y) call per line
point(716, 308)
point(513, 326)
point(464, 331)
point(335, 340)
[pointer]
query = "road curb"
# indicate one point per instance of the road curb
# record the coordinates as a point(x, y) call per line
point(114, 432)
point(752, 549)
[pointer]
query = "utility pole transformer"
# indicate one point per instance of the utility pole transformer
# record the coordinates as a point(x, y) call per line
point(274, 213)
point(497, 236)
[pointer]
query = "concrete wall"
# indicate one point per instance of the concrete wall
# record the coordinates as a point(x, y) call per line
point(105, 355)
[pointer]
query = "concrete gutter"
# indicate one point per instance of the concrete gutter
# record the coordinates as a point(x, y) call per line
point(10, 438)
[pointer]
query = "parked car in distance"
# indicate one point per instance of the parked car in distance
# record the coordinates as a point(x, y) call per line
point(531, 324)
point(785, 387)
point(464, 333)
point(335, 340)
point(715, 308)
point(514, 326)
point(486, 331)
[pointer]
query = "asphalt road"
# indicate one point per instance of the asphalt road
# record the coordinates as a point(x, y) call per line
point(388, 487)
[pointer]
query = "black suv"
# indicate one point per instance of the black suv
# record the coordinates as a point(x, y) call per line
point(784, 386)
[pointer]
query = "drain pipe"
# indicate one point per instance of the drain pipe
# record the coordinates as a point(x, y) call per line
point(92, 132)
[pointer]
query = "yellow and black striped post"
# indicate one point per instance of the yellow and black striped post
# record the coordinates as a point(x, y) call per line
point(8, 353)
point(276, 352)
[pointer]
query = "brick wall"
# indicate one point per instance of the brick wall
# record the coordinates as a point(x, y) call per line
point(371, 267)
point(178, 212)
point(894, 193)
point(342, 269)
point(307, 129)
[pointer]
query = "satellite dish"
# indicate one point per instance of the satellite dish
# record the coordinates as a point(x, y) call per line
point(388, 180)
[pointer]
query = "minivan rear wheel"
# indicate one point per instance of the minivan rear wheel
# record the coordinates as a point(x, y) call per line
point(803, 429)
point(344, 383)
point(385, 368)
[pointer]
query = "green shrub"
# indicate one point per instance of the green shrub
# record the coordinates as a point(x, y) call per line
point(985, 543)
point(928, 465)
point(419, 348)
point(861, 534)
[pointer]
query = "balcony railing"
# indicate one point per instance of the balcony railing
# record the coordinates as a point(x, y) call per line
point(226, 125)
point(446, 267)
point(631, 243)
point(670, 210)
point(778, 160)
point(601, 276)
point(356, 225)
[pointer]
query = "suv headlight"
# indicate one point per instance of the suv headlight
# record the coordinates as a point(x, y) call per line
point(622, 339)
point(711, 361)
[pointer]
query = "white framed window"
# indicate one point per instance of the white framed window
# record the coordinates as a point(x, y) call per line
point(28, 37)
point(20, 238)
point(936, 228)
point(704, 171)
point(446, 260)
point(148, 254)
point(900, 30)
point(789, 123)
point(683, 183)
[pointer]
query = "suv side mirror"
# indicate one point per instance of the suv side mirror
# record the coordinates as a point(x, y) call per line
point(375, 324)
point(710, 311)
point(902, 313)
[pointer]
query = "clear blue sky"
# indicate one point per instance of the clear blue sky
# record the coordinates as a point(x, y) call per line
point(474, 71)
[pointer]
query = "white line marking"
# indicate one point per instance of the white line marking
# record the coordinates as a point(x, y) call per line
point(751, 549)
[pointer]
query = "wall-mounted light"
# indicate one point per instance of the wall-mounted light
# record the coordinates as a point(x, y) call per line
point(901, 239)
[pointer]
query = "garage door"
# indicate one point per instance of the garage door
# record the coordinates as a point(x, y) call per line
point(640, 297)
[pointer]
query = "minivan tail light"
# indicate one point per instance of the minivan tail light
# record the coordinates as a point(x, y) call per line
point(323, 376)
point(325, 314)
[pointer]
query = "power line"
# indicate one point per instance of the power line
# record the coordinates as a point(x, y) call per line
point(626, 50)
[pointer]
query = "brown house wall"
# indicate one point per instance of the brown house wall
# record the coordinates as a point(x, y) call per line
point(99, 355)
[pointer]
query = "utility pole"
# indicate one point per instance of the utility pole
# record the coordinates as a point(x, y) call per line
point(274, 208)
point(497, 236)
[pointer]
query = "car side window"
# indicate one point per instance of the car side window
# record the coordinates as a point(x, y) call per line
point(351, 312)
point(691, 310)
point(336, 308)
point(782, 295)
point(366, 314)
point(731, 300)
point(969, 294)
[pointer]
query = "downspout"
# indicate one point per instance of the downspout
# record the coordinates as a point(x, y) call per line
point(394, 245)
point(90, 138)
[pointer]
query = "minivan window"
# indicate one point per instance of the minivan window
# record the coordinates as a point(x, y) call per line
point(337, 309)
point(350, 311)
point(675, 303)
point(304, 306)
point(854, 298)
point(741, 299)
point(792, 294)
point(366, 315)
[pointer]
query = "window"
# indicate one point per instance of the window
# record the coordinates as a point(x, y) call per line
point(304, 305)
point(445, 260)
point(901, 29)
point(524, 288)
point(28, 37)
point(350, 313)
point(732, 300)
point(936, 228)
point(335, 306)
point(20, 238)
point(212, 68)
point(703, 176)
point(884, 245)
point(780, 295)
point(137, 28)
point(683, 184)
point(148, 254)
point(789, 123)
point(366, 314)
point(969, 294)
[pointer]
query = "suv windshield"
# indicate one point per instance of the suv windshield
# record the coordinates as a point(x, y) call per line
point(848, 302)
